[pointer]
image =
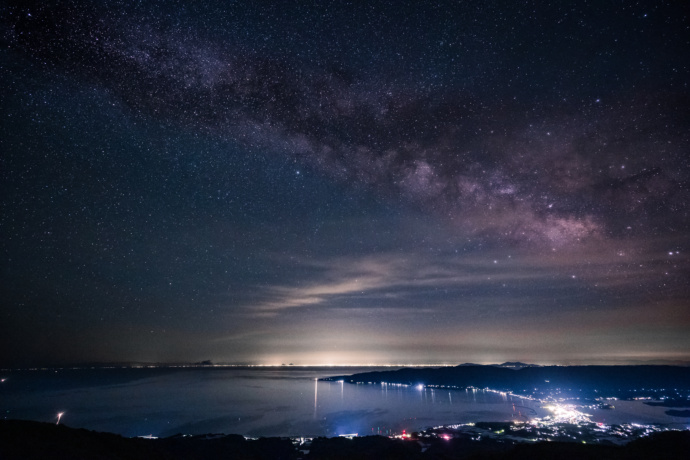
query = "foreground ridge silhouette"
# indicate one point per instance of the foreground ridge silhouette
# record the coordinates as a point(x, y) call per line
point(21, 439)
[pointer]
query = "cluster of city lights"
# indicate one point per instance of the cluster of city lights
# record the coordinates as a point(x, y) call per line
point(567, 413)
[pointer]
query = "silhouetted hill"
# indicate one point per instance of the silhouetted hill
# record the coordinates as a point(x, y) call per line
point(618, 381)
point(28, 440)
point(33, 440)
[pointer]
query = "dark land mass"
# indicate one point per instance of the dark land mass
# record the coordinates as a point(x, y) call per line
point(21, 439)
point(583, 381)
point(34, 440)
point(670, 403)
point(675, 404)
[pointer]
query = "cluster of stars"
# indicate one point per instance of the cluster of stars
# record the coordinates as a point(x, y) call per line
point(165, 167)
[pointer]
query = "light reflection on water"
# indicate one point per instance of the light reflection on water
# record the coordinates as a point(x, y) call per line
point(384, 408)
point(255, 402)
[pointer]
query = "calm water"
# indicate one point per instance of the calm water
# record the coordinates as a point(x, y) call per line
point(259, 402)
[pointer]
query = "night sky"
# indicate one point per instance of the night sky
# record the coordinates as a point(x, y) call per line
point(344, 182)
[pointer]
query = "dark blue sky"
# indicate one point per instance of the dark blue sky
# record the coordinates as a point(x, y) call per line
point(334, 182)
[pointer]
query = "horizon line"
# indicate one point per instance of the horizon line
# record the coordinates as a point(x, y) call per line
point(136, 365)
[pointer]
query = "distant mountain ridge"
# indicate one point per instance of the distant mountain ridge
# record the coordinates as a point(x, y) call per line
point(613, 381)
point(516, 365)
point(507, 364)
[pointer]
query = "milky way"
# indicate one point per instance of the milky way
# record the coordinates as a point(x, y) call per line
point(511, 179)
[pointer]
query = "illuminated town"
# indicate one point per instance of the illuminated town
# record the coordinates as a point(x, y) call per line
point(566, 415)
point(566, 422)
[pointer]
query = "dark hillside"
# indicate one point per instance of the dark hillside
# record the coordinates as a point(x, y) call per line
point(619, 381)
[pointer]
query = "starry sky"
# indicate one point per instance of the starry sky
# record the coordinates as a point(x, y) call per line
point(344, 182)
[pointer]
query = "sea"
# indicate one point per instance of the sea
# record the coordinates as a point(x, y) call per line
point(264, 401)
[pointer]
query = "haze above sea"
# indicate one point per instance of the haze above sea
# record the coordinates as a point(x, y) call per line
point(257, 401)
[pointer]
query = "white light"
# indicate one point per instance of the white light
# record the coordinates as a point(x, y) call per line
point(566, 413)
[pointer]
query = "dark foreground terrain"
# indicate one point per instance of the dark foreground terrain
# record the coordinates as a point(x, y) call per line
point(34, 440)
